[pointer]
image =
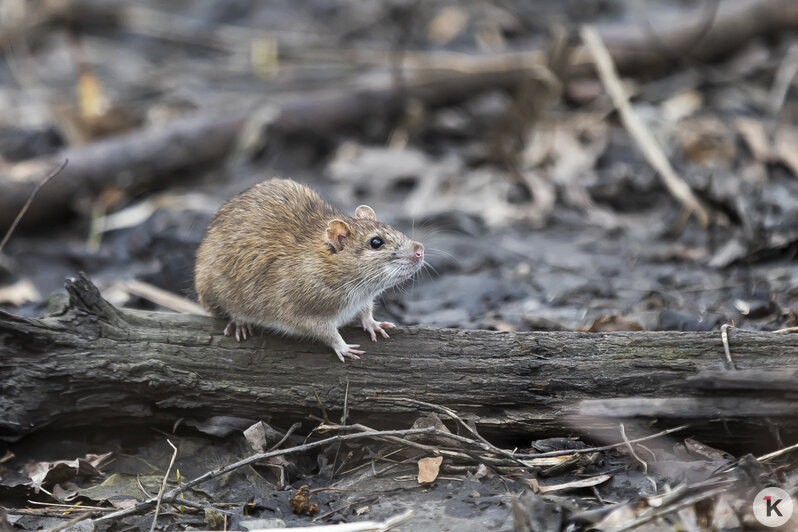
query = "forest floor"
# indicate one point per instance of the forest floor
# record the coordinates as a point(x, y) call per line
point(536, 205)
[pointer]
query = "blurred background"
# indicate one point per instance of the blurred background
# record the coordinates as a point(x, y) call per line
point(481, 127)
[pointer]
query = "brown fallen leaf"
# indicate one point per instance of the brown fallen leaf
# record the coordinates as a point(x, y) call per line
point(122, 502)
point(428, 469)
point(613, 323)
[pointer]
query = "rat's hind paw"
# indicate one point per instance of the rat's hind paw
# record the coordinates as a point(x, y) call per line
point(348, 351)
point(241, 330)
point(373, 327)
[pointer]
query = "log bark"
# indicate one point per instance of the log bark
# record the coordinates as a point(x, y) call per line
point(93, 364)
point(159, 153)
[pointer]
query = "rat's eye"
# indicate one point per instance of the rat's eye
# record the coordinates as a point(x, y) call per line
point(376, 242)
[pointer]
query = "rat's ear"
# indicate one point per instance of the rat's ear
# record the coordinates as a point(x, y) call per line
point(365, 212)
point(337, 231)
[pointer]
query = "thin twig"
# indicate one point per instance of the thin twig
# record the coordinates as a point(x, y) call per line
point(434, 431)
point(409, 443)
point(724, 336)
point(141, 486)
point(345, 413)
point(787, 330)
point(162, 297)
point(464, 454)
point(321, 405)
point(637, 129)
point(636, 457)
point(451, 413)
point(32, 196)
point(198, 506)
point(66, 524)
point(44, 512)
point(172, 494)
point(287, 435)
point(774, 454)
point(163, 486)
point(631, 449)
point(67, 507)
point(602, 448)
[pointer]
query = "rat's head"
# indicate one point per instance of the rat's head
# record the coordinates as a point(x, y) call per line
point(379, 254)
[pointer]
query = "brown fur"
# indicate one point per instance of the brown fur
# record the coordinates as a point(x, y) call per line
point(267, 259)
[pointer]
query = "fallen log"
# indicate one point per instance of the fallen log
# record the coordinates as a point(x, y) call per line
point(156, 154)
point(93, 364)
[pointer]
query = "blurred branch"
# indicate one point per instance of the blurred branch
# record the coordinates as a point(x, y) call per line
point(653, 153)
point(28, 202)
point(151, 156)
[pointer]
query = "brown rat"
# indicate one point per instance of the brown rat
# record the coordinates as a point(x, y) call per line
point(279, 257)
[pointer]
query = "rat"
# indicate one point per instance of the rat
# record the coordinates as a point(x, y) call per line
point(279, 257)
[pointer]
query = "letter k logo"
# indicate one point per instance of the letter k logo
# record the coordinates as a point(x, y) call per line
point(772, 506)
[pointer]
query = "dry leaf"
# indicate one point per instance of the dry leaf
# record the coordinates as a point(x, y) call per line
point(755, 137)
point(18, 293)
point(704, 451)
point(447, 24)
point(723, 516)
point(617, 517)
point(786, 149)
point(50, 473)
point(581, 483)
point(707, 141)
point(613, 323)
point(256, 437)
point(264, 56)
point(547, 461)
point(689, 519)
point(482, 470)
point(122, 502)
point(682, 105)
point(428, 469)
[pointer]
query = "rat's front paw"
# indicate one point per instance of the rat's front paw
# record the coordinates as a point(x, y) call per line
point(373, 327)
point(348, 351)
point(241, 330)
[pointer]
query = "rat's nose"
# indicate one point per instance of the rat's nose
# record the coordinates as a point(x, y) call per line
point(418, 252)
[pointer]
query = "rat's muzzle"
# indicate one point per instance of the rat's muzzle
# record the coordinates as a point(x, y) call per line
point(418, 252)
